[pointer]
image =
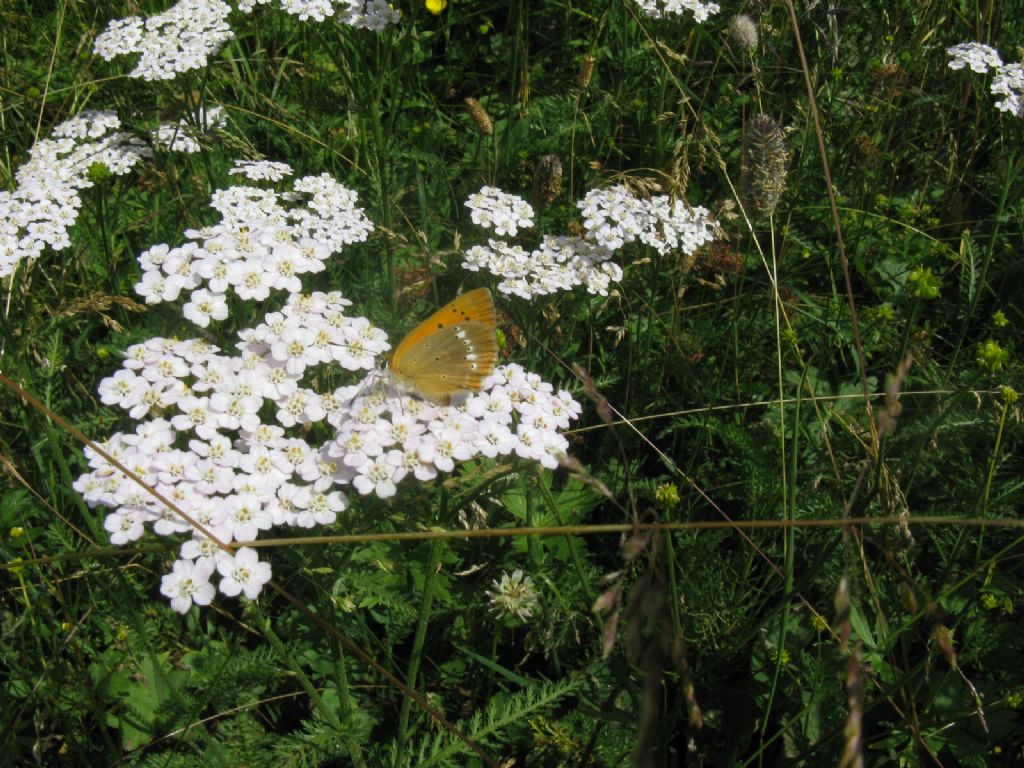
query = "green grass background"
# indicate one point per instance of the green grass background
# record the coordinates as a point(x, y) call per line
point(736, 379)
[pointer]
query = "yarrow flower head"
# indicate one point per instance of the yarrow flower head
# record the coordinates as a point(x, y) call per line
point(228, 437)
point(559, 264)
point(658, 9)
point(362, 14)
point(189, 33)
point(384, 437)
point(504, 213)
point(263, 242)
point(613, 218)
point(46, 201)
point(1008, 81)
point(514, 595)
point(978, 56)
point(261, 170)
point(180, 39)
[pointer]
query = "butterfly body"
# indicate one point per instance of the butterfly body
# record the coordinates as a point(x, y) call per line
point(452, 351)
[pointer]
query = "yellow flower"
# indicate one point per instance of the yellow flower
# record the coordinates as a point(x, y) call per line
point(436, 6)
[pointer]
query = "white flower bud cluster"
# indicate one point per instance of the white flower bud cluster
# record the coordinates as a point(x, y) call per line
point(46, 201)
point(613, 218)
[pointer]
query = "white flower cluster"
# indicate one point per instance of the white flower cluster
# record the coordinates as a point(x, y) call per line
point(183, 136)
point(207, 448)
point(362, 14)
point(978, 56)
point(506, 214)
point(560, 264)
point(189, 580)
point(368, 14)
point(210, 448)
point(260, 245)
point(383, 437)
point(658, 9)
point(1008, 80)
point(180, 39)
point(185, 36)
point(261, 170)
point(46, 201)
point(224, 438)
point(613, 218)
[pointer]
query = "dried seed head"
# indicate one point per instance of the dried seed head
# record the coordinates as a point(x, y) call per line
point(865, 151)
point(765, 165)
point(480, 117)
point(743, 31)
point(547, 180)
point(721, 258)
point(586, 72)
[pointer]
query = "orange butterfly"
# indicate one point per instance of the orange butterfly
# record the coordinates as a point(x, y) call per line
point(451, 351)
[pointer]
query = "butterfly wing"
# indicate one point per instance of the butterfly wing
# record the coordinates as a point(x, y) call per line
point(453, 350)
point(455, 358)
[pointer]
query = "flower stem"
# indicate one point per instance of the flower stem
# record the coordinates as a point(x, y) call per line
point(434, 561)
